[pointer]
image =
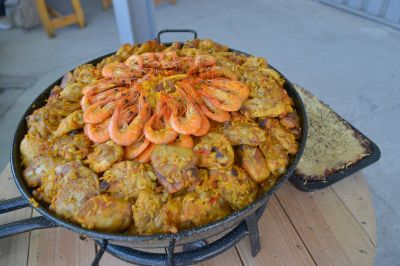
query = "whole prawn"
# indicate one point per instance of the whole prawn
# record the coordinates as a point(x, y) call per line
point(191, 121)
point(137, 148)
point(162, 135)
point(131, 126)
point(98, 133)
point(99, 111)
point(221, 99)
point(237, 88)
point(213, 112)
point(120, 70)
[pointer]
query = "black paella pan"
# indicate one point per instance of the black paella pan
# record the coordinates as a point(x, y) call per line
point(49, 219)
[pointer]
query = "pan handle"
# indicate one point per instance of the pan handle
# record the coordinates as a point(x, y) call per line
point(25, 225)
point(175, 30)
point(12, 204)
point(21, 226)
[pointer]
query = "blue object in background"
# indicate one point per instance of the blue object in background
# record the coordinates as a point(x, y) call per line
point(135, 20)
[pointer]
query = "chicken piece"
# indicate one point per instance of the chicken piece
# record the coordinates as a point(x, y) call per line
point(31, 146)
point(125, 179)
point(207, 45)
point(208, 184)
point(211, 46)
point(292, 120)
point(39, 168)
point(73, 190)
point(126, 50)
point(261, 74)
point(214, 151)
point(170, 216)
point(104, 156)
point(55, 93)
point(86, 73)
point(73, 121)
point(279, 133)
point(42, 122)
point(268, 183)
point(263, 87)
point(254, 63)
point(62, 108)
point(243, 132)
point(63, 169)
point(150, 46)
point(175, 167)
point(105, 213)
point(292, 123)
point(108, 60)
point(67, 79)
point(48, 188)
point(231, 61)
point(70, 148)
point(253, 161)
point(72, 92)
point(264, 107)
point(172, 209)
point(276, 156)
point(257, 81)
point(202, 208)
point(235, 187)
point(146, 213)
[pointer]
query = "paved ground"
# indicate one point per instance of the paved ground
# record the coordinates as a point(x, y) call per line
point(350, 63)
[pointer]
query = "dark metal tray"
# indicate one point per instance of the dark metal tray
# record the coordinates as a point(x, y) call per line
point(373, 156)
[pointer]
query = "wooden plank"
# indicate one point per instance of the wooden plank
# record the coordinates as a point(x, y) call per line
point(280, 244)
point(336, 225)
point(13, 250)
point(110, 260)
point(59, 246)
point(229, 257)
point(328, 229)
point(354, 193)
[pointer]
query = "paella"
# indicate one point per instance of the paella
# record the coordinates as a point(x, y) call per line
point(158, 138)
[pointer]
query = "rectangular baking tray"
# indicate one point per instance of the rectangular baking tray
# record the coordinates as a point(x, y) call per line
point(372, 157)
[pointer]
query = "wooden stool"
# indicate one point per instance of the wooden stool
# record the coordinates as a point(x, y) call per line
point(52, 19)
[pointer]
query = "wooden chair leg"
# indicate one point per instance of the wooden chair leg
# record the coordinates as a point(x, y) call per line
point(52, 12)
point(45, 18)
point(76, 4)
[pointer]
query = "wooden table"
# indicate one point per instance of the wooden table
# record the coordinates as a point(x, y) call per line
point(335, 226)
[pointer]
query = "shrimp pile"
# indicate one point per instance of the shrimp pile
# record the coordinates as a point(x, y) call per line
point(188, 91)
point(160, 139)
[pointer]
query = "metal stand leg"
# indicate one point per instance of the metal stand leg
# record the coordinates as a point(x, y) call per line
point(100, 253)
point(170, 252)
point(254, 234)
